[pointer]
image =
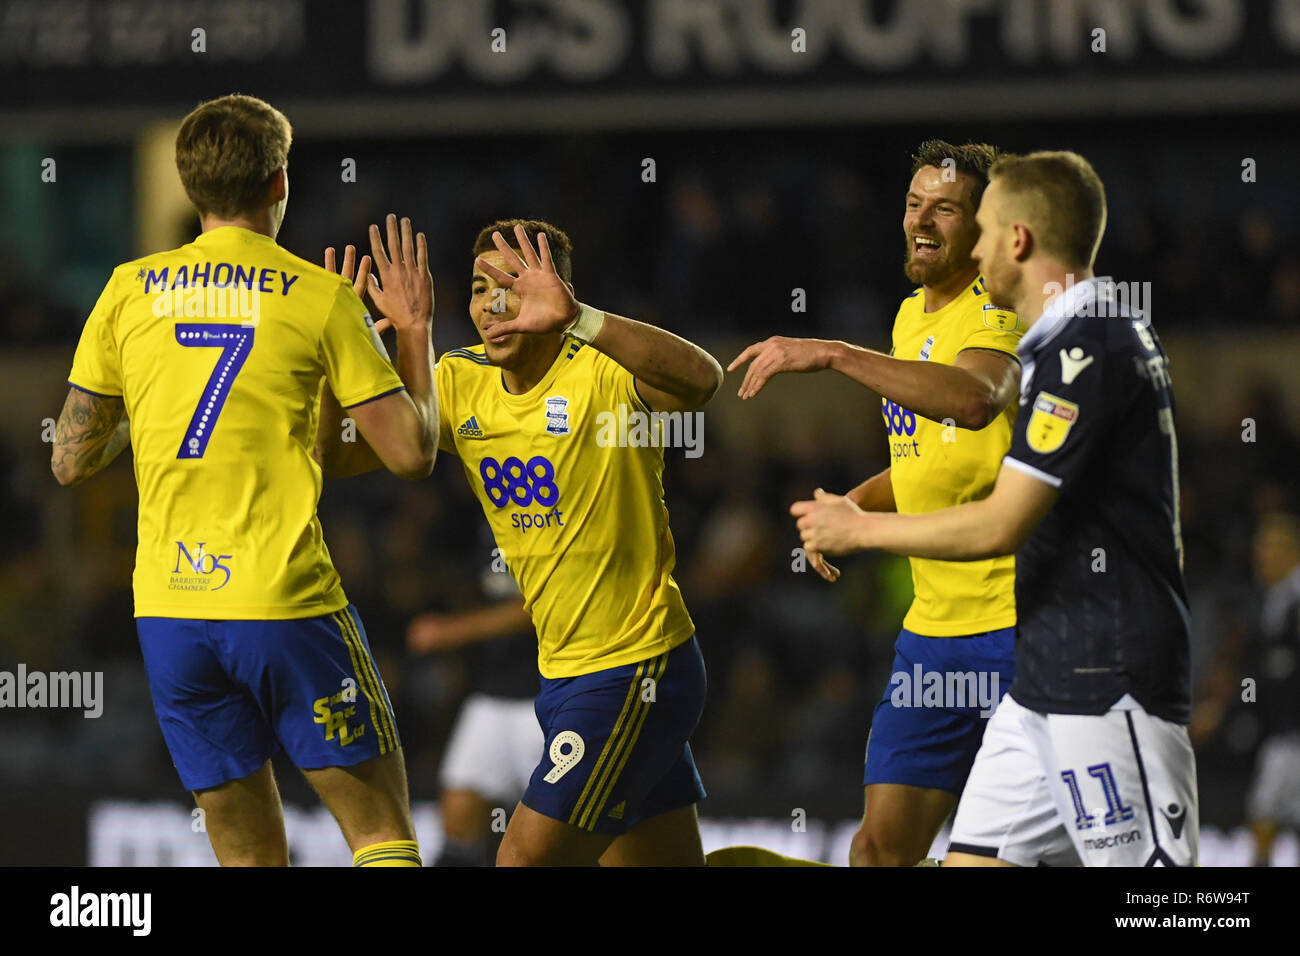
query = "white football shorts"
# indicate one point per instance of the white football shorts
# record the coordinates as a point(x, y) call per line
point(1117, 789)
point(494, 748)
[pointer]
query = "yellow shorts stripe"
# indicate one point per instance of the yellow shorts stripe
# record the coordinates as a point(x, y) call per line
point(357, 652)
point(381, 699)
point(369, 663)
point(345, 630)
point(632, 696)
point(638, 722)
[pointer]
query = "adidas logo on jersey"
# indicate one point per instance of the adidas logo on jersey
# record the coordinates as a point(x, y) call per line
point(470, 428)
point(616, 813)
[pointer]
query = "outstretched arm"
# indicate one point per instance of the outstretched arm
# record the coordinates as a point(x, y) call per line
point(431, 633)
point(671, 373)
point(972, 391)
point(92, 431)
point(988, 528)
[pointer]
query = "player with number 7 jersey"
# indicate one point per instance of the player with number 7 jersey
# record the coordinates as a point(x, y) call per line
point(212, 361)
point(575, 501)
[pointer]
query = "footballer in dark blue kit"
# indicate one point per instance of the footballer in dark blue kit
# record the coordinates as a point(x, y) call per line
point(1087, 759)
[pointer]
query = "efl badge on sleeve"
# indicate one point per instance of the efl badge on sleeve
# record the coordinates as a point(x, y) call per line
point(1050, 423)
point(999, 319)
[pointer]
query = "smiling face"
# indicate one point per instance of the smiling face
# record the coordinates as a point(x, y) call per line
point(939, 224)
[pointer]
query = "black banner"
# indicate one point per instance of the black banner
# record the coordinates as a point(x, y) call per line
point(163, 55)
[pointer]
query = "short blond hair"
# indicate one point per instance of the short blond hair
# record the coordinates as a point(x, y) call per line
point(1062, 200)
point(228, 149)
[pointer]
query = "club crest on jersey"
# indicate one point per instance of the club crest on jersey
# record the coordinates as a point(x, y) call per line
point(925, 349)
point(1050, 422)
point(999, 319)
point(557, 415)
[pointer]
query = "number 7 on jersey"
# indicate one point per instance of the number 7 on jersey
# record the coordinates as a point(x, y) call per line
point(235, 342)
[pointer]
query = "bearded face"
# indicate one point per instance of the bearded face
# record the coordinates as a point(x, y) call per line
point(939, 226)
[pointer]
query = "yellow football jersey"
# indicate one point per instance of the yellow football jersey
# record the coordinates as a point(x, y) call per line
point(219, 350)
point(571, 481)
point(933, 465)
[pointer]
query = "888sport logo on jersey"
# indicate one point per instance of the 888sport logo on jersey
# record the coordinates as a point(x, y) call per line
point(900, 425)
point(523, 484)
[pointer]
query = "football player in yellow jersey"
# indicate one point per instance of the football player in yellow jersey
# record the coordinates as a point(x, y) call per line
point(559, 419)
point(947, 390)
point(217, 353)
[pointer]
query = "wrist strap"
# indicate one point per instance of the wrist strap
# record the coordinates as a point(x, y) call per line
point(587, 325)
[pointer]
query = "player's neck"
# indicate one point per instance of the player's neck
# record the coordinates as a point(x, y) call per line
point(938, 296)
point(1043, 284)
point(260, 222)
point(532, 368)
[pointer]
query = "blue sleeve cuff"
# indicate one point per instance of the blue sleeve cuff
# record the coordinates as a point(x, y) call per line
point(375, 398)
point(88, 391)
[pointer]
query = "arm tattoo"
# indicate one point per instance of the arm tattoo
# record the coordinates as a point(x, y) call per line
point(91, 431)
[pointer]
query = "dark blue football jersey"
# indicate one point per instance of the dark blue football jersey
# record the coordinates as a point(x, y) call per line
point(1100, 599)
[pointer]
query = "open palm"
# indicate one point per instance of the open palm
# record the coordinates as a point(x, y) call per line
point(546, 302)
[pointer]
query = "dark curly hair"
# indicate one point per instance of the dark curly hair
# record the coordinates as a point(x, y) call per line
point(560, 244)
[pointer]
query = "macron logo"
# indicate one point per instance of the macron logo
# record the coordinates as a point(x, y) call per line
point(470, 428)
point(1073, 363)
point(1176, 816)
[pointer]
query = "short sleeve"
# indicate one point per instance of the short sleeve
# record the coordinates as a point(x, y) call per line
point(442, 380)
point(356, 364)
point(1060, 424)
point(614, 382)
point(996, 329)
point(96, 367)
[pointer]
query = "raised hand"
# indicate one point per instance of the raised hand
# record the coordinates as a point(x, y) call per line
point(546, 302)
point(349, 264)
point(403, 293)
point(776, 355)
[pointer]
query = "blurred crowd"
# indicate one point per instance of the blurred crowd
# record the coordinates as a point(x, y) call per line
point(712, 248)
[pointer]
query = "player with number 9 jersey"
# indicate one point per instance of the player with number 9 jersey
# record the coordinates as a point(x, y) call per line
point(556, 418)
point(581, 524)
